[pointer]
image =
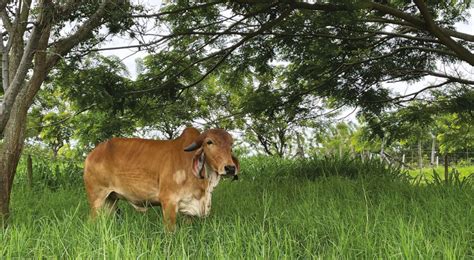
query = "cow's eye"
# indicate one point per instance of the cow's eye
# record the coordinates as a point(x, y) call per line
point(209, 142)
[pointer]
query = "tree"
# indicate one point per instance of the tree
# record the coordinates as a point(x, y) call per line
point(168, 107)
point(450, 120)
point(345, 50)
point(337, 138)
point(274, 127)
point(32, 44)
point(48, 119)
point(455, 133)
point(340, 53)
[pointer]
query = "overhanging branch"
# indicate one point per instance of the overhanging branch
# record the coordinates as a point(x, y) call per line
point(177, 11)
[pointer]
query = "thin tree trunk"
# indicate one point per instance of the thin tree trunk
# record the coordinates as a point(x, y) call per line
point(10, 155)
point(15, 134)
point(382, 150)
point(29, 171)
point(300, 146)
point(403, 161)
point(433, 151)
point(446, 168)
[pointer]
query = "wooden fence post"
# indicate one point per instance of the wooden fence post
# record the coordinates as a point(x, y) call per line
point(420, 156)
point(433, 151)
point(29, 171)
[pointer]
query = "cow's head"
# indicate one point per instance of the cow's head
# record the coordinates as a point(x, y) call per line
point(214, 150)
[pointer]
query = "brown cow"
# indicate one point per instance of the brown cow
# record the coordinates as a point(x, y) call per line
point(177, 174)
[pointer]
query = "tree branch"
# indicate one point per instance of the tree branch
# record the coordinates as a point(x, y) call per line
point(6, 21)
point(177, 11)
point(40, 70)
point(426, 24)
point(18, 80)
point(3, 4)
point(5, 71)
point(64, 45)
point(265, 27)
point(455, 34)
point(400, 99)
point(444, 52)
point(462, 52)
point(64, 119)
point(212, 55)
point(442, 75)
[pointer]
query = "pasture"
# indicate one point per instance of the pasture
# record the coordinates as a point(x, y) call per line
point(318, 208)
point(343, 84)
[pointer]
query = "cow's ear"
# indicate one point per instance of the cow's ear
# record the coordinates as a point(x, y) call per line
point(237, 164)
point(198, 164)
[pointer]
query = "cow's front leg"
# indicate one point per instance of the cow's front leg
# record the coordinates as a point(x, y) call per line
point(169, 215)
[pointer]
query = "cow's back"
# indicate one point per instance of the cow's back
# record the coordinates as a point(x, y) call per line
point(127, 153)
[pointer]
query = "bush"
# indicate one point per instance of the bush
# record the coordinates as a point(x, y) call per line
point(51, 172)
point(316, 167)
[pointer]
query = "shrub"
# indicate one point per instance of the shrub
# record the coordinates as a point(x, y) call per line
point(316, 167)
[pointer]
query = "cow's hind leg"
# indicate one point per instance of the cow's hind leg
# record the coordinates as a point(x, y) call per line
point(110, 204)
point(97, 200)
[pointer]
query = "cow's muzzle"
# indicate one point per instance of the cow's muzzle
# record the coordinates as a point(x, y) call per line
point(229, 169)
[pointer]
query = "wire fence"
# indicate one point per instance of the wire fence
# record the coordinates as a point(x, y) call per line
point(428, 158)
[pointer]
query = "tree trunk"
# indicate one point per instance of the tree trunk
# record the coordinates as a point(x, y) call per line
point(18, 98)
point(10, 154)
point(300, 146)
point(403, 161)
point(446, 168)
point(382, 150)
point(433, 151)
point(29, 171)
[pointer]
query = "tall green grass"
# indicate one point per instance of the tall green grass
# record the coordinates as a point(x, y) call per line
point(430, 174)
point(320, 208)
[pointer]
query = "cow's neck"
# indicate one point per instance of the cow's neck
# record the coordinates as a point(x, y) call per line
point(212, 178)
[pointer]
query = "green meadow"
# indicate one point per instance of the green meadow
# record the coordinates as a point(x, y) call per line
point(319, 208)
